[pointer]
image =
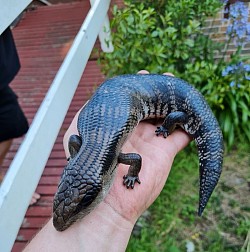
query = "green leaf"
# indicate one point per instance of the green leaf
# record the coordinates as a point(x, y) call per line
point(154, 34)
point(115, 8)
point(177, 53)
point(227, 123)
point(171, 30)
point(189, 42)
point(173, 249)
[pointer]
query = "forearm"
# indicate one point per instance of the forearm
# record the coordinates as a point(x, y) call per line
point(101, 230)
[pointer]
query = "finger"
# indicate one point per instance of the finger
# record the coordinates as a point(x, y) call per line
point(179, 140)
point(36, 196)
point(169, 74)
point(143, 72)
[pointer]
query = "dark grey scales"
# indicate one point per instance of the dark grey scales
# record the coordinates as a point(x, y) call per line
point(105, 123)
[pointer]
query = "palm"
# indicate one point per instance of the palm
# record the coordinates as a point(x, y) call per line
point(157, 156)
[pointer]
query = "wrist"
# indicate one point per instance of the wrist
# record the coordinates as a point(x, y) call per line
point(104, 229)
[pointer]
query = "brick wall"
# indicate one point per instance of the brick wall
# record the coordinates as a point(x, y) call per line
point(216, 28)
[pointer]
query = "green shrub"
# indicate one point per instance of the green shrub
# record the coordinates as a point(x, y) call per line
point(167, 35)
point(143, 37)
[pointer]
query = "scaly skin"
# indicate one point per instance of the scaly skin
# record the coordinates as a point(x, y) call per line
point(105, 123)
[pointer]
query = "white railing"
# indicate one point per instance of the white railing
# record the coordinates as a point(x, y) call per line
point(26, 169)
point(9, 10)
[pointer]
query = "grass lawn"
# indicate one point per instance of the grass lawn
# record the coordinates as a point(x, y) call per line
point(172, 224)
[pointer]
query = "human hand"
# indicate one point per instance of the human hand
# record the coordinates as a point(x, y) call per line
point(157, 157)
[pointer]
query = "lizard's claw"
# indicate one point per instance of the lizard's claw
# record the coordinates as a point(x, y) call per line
point(162, 131)
point(129, 181)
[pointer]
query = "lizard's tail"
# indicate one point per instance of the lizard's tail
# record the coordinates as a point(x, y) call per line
point(210, 147)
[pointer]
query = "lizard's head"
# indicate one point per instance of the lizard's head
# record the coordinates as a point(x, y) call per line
point(79, 191)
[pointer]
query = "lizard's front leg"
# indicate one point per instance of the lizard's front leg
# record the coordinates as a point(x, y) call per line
point(134, 160)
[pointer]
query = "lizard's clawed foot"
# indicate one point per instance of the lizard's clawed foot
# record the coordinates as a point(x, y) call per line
point(162, 131)
point(129, 181)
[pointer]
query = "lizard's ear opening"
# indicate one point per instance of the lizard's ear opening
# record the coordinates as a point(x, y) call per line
point(74, 145)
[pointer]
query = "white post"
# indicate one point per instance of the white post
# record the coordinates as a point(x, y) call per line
point(28, 164)
point(9, 10)
point(105, 34)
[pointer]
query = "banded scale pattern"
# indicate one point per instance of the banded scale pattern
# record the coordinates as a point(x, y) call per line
point(107, 120)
